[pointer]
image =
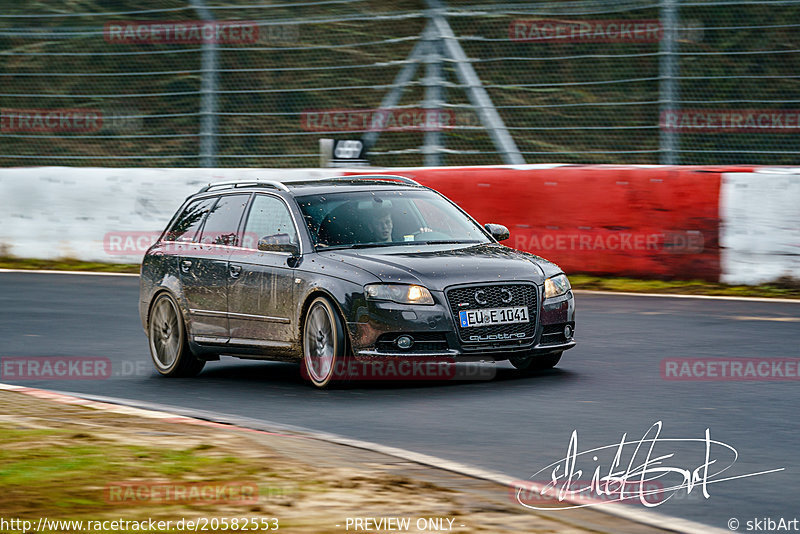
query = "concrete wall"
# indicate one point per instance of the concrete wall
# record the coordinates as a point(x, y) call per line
point(760, 225)
point(72, 212)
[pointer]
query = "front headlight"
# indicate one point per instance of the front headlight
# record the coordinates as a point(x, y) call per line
point(556, 286)
point(401, 293)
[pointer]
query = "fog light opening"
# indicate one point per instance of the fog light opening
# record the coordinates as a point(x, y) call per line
point(568, 331)
point(404, 342)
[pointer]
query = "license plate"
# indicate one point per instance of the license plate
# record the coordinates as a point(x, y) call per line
point(492, 316)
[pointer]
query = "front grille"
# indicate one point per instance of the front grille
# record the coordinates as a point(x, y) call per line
point(423, 342)
point(523, 295)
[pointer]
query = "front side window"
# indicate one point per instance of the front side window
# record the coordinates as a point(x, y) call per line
point(379, 218)
point(269, 221)
point(185, 227)
point(222, 223)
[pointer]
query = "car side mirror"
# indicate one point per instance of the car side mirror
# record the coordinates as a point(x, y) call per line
point(498, 231)
point(278, 243)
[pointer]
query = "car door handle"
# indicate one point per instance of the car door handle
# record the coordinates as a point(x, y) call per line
point(235, 271)
point(186, 265)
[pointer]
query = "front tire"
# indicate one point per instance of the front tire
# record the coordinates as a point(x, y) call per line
point(169, 347)
point(528, 365)
point(324, 345)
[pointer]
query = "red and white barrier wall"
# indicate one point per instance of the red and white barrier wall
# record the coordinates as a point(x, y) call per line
point(734, 224)
point(738, 225)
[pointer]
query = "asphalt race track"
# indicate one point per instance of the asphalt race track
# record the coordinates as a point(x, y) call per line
point(609, 385)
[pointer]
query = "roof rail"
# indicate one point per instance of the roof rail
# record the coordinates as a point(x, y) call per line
point(387, 177)
point(232, 184)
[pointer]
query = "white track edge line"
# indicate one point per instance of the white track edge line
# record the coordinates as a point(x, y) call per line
point(154, 410)
point(681, 296)
point(45, 271)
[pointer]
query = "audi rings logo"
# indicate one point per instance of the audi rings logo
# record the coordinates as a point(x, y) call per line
point(507, 296)
point(480, 297)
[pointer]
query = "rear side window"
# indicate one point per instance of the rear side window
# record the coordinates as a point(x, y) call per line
point(222, 223)
point(188, 223)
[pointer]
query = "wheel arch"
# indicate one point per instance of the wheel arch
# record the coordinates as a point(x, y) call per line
point(185, 362)
point(178, 300)
point(309, 298)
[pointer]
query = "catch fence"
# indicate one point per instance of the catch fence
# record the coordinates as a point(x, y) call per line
point(420, 82)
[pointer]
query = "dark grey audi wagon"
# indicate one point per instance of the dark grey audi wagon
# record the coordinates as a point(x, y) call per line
point(329, 271)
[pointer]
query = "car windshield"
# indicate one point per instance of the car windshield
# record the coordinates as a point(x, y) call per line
point(386, 218)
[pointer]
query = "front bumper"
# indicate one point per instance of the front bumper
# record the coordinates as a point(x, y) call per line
point(536, 350)
point(436, 326)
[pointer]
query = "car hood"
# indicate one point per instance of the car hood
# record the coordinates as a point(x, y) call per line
point(439, 266)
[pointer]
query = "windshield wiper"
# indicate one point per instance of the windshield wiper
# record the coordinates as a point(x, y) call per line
point(450, 241)
point(382, 244)
point(368, 245)
point(398, 244)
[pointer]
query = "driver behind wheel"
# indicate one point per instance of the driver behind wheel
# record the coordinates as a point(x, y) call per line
point(379, 222)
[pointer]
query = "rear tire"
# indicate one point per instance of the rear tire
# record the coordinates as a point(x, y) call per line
point(528, 365)
point(169, 347)
point(325, 356)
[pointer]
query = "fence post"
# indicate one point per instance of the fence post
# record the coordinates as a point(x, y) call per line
point(478, 96)
point(208, 97)
point(668, 84)
point(432, 147)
